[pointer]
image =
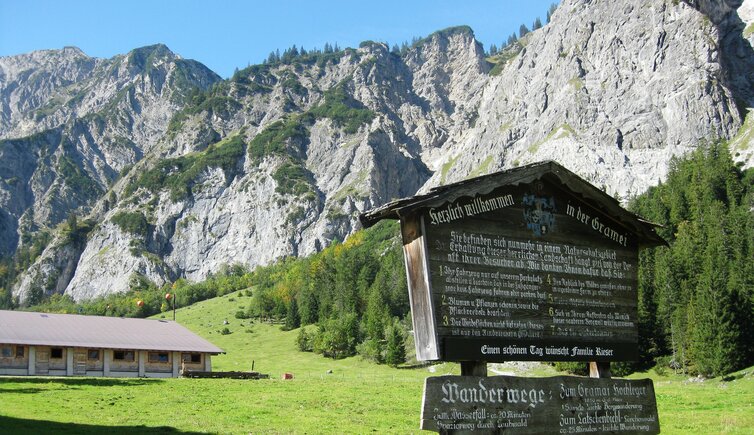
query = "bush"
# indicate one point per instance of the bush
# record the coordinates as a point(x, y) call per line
point(576, 368)
point(225, 331)
point(343, 110)
point(304, 341)
point(131, 222)
point(179, 174)
point(274, 139)
point(371, 350)
point(337, 337)
point(292, 178)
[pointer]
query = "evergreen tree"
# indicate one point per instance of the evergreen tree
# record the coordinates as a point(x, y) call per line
point(700, 287)
point(395, 347)
point(292, 318)
point(522, 30)
point(537, 24)
point(404, 47)
point(304, 341)
point(6, 300)
point(551, 10)
point(376, 314)
point(715, 334)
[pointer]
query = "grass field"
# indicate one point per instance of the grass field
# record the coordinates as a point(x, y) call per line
point(357, 397)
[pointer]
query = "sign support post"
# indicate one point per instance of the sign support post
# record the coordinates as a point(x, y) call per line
point(473, 368)
point(599, 369)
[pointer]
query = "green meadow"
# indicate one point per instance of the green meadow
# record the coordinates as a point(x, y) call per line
point(325, 396)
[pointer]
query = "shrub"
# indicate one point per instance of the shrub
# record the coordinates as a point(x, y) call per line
point(343, 110)
point(304, 341)
point(275, 138)
point(576, 368)
point(371, 350)
point(337, 337)
point(292, 178)
point(131, 222)
point(179, 174)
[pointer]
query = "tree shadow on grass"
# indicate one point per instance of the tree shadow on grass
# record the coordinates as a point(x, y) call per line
point(87, 381)
point(14, 425)
point(43, 383)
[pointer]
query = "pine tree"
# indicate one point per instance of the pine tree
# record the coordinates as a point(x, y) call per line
point(6, 299)
point(395, 347)
point(522, 31)
point(404, 47)
point(551, 10)
point(537, 24)
point(292, 318)
point(375, 315)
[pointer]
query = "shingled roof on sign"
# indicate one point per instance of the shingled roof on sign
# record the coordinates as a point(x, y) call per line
point(548, 170)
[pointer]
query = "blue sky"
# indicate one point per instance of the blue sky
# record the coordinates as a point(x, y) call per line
point(226, 34)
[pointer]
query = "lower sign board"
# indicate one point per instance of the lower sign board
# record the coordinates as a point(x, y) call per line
point(555, 405)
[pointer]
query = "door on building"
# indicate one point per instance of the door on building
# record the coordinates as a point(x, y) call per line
point(43, 360)
point(79, 362)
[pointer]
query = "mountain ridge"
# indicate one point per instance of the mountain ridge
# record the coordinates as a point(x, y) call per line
point(280, 159)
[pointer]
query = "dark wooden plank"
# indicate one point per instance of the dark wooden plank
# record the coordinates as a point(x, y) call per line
point(473, 368)
point(528, 265)
point(560, 404)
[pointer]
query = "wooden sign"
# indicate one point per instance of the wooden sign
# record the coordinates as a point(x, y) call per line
point(528, 264)
point(525, 273)
point(560, 404)
point(528, 272)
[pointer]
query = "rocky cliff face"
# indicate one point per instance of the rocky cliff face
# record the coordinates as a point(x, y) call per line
point(612, 90)
point(281, 159)
point(70, 123)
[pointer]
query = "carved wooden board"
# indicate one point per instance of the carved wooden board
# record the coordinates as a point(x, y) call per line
point(555, 405)
point(525, 272)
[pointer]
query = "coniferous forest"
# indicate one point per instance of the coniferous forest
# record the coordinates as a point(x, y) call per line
point(696, 296)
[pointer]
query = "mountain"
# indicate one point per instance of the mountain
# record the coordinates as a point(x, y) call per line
point(280, 159)
point(70, 123)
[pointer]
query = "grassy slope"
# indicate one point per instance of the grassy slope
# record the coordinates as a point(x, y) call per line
point(357, 397)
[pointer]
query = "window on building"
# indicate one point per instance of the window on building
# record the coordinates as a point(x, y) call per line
point(20, 351)
point(6, 351)
point(194, 358)
point(56, 353)
point(93, 354)
point(159, 357)
point(123, 355)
